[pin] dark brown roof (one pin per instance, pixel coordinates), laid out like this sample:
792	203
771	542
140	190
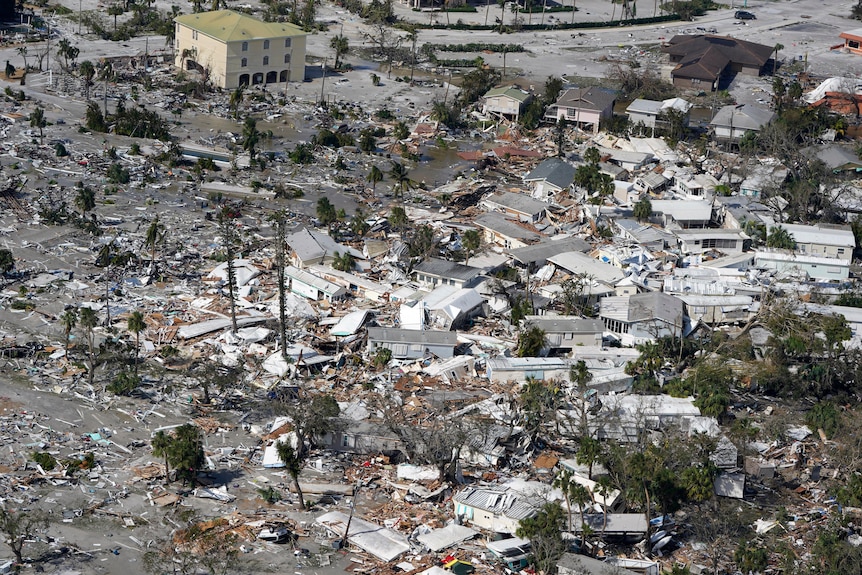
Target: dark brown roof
705	56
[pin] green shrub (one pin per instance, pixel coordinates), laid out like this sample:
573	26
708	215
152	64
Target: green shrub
269	494
825	416
44	459
124	384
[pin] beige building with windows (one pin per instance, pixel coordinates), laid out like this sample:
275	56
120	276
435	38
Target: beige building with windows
236	49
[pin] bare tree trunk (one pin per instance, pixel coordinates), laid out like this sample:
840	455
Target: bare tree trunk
299	492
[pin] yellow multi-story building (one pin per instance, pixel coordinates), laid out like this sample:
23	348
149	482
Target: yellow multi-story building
235	49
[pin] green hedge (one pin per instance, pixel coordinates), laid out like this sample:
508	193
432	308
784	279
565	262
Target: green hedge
476	47
560	26
458	63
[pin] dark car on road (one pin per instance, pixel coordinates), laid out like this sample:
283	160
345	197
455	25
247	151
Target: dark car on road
743	15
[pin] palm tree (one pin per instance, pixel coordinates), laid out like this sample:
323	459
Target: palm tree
562	482
293	464
343	262
341	46
375	175
279	220
531	342
162	444
580	495
88	321
775	59
236	101
88	72
67	51
401	179
604	487
780	238
470	242
106	72
115	10
229	241
502	4
105	259
85	200
250	137
37	120
69	319
398	218
155	236
136	325
413	35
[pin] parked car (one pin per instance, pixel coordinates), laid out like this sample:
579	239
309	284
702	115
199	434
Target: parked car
743	15
274	534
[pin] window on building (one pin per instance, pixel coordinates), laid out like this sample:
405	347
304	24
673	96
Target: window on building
840	251
194	34
266	44
345	441
719	243
243	63
853	44
287	58
245	46
287	42
266	60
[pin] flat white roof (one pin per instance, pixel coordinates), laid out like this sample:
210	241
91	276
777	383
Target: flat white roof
821	235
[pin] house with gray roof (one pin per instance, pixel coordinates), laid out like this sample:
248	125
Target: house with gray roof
731	123
765	178
580	263
574	564
583	107
434	271
313	287
312	247
563	333
683	213
642	317
505	232
507	101
551	177
699	241
653	113
521	206
822	240
537	255
500	508
838	158
412	343
650	237
362	437
651	182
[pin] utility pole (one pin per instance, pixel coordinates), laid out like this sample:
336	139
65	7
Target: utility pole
352	508
79	16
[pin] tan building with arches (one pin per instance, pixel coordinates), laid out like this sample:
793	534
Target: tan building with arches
235	49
